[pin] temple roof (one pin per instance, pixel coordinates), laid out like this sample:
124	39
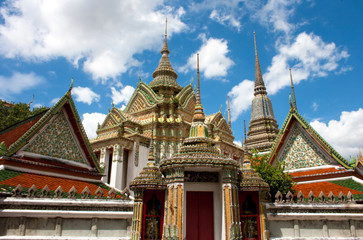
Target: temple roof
164	75
198	149
53	140
294	117
10	180
334	186
150	176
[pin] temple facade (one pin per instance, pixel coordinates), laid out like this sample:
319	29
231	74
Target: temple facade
198	193
122	142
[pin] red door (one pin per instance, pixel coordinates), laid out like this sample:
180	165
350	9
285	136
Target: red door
200	220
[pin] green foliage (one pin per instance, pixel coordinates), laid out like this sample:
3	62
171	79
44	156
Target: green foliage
10	115
2	148
273	175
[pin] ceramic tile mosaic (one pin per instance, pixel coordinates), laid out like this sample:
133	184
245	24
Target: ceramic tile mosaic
300	152
56	140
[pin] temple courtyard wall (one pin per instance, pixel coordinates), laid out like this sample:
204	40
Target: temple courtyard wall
36	218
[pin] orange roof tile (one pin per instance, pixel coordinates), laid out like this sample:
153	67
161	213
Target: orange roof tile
316	171
9	137
27	180
324	187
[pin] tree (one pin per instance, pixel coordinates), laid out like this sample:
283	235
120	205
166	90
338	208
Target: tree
16	112
273	175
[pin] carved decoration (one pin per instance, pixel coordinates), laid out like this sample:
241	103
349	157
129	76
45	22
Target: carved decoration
201	177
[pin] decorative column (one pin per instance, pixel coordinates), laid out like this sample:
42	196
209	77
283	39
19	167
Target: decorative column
117	165
231	220
174	207
137	215
102	157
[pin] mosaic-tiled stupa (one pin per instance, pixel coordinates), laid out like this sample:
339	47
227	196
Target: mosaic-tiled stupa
263	127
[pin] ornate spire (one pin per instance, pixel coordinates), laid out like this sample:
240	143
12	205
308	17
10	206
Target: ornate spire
293	91
259	84
229	113
164	75
151	152
165	48
263	127
198	111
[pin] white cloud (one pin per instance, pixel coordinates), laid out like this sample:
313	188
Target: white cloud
90	122
345	135
228	13
315	106
18	83
225	18
276	13
308	56
101	36
85	95
123	95
241	97
54	101
213	60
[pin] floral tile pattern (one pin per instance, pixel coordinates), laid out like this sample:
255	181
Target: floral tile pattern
301	152
57	140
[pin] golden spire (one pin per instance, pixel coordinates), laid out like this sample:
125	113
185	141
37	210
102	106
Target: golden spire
229	113
198	85
165	48
198	111
293	91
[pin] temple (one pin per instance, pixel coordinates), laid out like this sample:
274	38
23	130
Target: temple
163	105
163	169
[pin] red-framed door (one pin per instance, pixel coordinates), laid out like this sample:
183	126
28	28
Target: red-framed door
250	215
153	214
200	217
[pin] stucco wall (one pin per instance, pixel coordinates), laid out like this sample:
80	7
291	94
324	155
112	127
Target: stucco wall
313	220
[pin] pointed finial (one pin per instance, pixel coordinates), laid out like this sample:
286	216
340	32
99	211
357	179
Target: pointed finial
113	104
244	126
198	85
70	88
166	27
293	91
259	84
31	101
165	48
254	37
140	79
220	109
229	113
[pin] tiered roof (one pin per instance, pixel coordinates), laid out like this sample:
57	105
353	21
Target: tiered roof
150	177
164	75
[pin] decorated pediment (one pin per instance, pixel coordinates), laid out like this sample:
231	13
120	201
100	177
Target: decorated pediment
298	145
220	123
142	98
301	151
109	121
187	98
56	140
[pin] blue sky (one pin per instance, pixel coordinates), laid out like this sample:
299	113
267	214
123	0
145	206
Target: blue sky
106	45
